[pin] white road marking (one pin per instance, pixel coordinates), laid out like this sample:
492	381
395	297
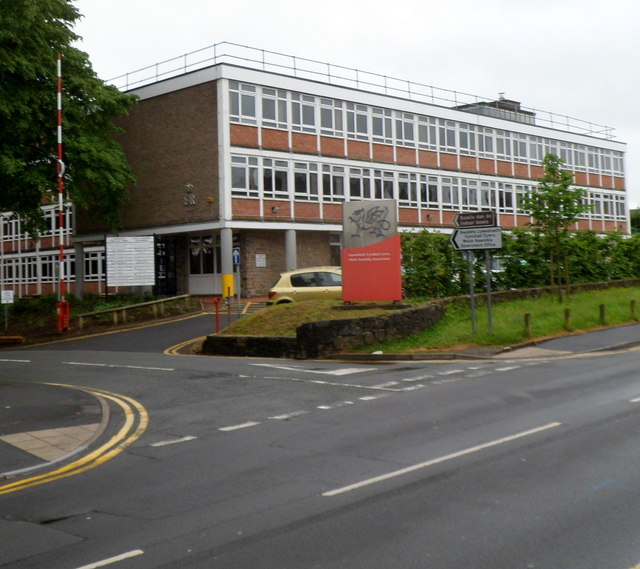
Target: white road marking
413	387
289	415
509	368
240	426
372	397
115	559
17	361
636	400
174	441
439	460
342	371
419	378
388	384
450	372
119	366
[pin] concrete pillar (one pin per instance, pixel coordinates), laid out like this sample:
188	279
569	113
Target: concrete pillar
290	248
226	251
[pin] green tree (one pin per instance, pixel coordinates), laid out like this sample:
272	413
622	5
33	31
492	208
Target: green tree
431	266
32	34
554	205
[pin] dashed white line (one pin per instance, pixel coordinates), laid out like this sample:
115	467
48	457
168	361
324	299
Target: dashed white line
508	368
439	460
287	416
174	441
337	372
115	559
636	400
119	366
450	372
240	426
17	361
383	385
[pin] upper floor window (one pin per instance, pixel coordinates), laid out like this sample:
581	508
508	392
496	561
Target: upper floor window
303	112
503	145
275	179
427	136
467	136
381	126
242	102
519	147
305	178
274	108
485	142
357	121
333	183
429	191
360	183
331	117
407	190
244	176
383	185
405	129
447	136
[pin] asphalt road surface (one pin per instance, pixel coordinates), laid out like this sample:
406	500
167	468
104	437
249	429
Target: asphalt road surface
517	462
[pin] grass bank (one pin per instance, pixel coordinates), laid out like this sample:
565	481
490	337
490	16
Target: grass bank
547	319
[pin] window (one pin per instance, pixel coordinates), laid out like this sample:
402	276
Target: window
519	147
305	178
274	177
566	153
242	101
487	195
469	194
593	160
429	191
618	168
427	137
383	185
357	121
359	183
447	136
331	117
551	146
48	268
467	134
580	158
407	190
503	145
536	150
303	113
485	142
381	126
93	265
505	198
521	191
244	177
204	255
605	162
449	190
405	129
333	183
274	108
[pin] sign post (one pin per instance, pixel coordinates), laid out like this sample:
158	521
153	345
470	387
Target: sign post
7	299
477	231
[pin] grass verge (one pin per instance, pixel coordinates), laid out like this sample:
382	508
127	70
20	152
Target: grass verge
547	320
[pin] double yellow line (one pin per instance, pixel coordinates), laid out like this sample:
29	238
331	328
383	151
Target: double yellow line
135	423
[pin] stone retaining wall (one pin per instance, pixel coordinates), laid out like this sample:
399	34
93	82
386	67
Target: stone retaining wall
323	339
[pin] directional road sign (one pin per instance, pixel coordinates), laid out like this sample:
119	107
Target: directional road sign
235	254
471	238
476	219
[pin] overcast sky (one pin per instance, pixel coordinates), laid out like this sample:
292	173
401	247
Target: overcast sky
572	57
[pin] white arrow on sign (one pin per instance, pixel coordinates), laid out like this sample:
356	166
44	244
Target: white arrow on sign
471	238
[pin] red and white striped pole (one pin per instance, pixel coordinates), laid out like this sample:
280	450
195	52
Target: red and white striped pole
63	305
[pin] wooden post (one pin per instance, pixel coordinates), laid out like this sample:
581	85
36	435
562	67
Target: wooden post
634	314
603	315
80	322
527	325
567	318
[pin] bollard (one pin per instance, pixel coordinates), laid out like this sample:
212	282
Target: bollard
567	318
527	325
216	304
634	314
603	315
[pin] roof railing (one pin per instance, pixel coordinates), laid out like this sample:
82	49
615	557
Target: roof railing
274	62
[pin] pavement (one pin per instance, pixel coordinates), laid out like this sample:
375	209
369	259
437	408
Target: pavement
43	426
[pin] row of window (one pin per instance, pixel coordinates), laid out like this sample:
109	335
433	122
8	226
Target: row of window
33	269
254	177
280	109
11	227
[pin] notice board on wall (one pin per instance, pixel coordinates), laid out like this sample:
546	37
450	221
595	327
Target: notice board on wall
130	261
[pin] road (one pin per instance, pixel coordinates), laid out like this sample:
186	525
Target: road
517	462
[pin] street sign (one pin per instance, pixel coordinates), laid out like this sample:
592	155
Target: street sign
235	254
475	219
471	238
7	297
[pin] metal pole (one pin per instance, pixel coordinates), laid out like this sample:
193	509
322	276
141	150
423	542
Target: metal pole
487	262
472	298
63	305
